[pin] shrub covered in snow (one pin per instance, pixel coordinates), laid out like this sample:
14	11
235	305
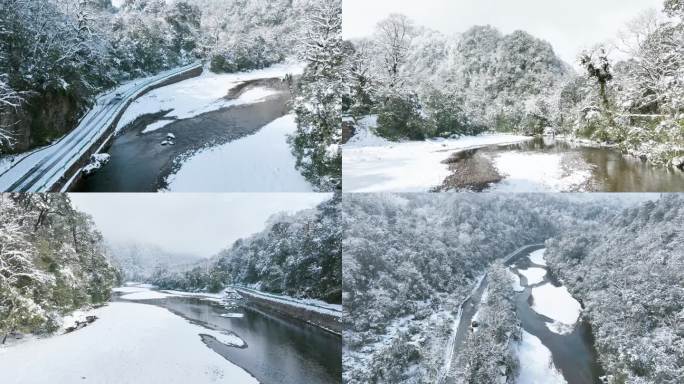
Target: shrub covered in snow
297	255
52	261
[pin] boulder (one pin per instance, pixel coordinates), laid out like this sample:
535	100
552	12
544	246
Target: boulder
678	162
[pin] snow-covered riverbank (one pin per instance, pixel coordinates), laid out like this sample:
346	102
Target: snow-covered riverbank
554	347
373	164
202	94
129	343
262	162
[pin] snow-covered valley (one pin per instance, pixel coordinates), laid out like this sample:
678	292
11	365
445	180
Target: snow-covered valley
154	336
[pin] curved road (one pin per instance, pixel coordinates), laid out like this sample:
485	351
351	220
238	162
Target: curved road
39	171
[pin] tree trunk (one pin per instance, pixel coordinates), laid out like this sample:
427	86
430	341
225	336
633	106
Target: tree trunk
4	338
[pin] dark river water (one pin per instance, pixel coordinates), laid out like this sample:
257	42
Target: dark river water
139	163
574	353
611	171
279	350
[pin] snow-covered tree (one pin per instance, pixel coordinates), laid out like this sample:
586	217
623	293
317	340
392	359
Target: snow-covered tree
21	281
317	97
394	36
51	262
298	255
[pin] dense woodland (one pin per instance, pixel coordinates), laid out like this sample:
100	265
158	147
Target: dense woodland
410	260
421	83
299	255
57	55
52	261
627	272
137	261
488	353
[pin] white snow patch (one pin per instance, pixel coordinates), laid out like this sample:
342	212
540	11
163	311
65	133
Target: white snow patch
364	136
536	172
533	275
146	295
536	365
516	282
130	289
203	94
97	160
225	338
233	315
214	297
130	343
308	304
262	162
411	166
556	303
157	125
537	257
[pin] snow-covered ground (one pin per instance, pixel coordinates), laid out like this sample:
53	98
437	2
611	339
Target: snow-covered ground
146	295
233	315
130	343
556	303
515	281
262	162
373	164
537	257
202	94
537	172
215	297
536	365
533	275
130	289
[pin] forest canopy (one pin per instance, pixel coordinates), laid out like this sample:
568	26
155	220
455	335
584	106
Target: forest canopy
421	83
410	260
299	255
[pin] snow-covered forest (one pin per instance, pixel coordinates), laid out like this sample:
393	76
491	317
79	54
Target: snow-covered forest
421	83
627	271
298	255
57	55
138	261
411	260
52	262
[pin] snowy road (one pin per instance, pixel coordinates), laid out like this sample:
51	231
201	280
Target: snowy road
467	312
42	169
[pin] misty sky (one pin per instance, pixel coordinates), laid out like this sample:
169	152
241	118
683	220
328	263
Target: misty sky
199	224
569	26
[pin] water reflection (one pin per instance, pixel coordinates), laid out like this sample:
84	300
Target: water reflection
611	171
280	350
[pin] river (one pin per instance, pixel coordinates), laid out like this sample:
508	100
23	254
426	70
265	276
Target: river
582	169
139	163
573	353
278	349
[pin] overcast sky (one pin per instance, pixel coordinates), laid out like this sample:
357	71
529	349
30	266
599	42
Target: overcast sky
200	224
569	26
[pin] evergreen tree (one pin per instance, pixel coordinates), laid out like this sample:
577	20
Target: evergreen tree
317	98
